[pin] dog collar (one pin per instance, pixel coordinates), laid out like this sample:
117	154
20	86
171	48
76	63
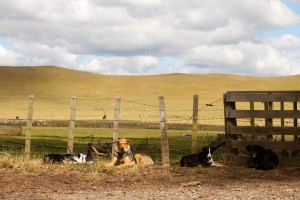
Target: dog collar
123	155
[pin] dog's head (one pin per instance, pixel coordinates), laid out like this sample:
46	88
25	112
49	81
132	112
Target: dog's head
82	158
208	152
254	150
89	158
122	145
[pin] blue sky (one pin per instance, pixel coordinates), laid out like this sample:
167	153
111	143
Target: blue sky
5	43
292	29
133	37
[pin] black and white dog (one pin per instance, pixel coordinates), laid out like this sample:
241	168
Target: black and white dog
204	158
261	158
74	158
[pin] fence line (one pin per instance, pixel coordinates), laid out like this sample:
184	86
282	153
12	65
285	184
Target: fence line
29	126
78	106
163	133
116	120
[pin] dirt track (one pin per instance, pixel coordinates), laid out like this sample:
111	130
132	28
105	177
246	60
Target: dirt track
228	182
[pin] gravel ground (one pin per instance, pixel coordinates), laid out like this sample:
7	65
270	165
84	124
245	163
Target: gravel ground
152	183
245	191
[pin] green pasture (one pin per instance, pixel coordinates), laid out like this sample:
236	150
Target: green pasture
54	140
53	88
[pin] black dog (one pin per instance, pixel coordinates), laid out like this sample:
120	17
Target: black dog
62	158
204	158
261	158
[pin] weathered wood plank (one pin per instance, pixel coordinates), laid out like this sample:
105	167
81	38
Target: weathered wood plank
195	124
70	147
163	133
263	96
261	130
262	114
228	107
29	127
283	161
277	145
289	161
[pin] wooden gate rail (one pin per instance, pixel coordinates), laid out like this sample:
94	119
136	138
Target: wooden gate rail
239	135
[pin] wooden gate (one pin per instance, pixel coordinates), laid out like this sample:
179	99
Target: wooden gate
266	118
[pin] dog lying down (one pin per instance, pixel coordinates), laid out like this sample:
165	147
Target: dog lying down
68	158
122	155
261	158
204	159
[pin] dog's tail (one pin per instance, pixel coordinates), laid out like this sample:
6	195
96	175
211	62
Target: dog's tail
97	152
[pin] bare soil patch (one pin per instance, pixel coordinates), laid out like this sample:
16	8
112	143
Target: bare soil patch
73	182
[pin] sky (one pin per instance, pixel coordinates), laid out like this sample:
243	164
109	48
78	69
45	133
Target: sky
144	37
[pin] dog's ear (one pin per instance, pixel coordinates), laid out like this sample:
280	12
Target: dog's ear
128	142
116	141
249	148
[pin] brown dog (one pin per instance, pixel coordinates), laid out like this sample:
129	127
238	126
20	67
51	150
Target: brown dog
122	155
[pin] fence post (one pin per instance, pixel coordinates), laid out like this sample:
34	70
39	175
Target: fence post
163	133
29	126
282	120
296	138
116	120
195	125
295	108
268	121
72	125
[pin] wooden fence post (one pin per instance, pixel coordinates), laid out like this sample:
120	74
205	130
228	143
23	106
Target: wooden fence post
296	138
295	108
282	120
72	125
116	120
269	121
163	133
195	125
29	126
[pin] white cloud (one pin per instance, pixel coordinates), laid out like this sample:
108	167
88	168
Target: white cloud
120	65
286	41
7	57
61	32
42	54
242	58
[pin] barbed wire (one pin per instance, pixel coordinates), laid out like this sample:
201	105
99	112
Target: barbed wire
210	104
19	108
95	99
51	98
206	105
150	105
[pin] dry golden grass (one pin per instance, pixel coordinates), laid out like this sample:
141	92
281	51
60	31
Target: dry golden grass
54	86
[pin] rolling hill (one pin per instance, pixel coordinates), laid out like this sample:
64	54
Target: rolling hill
49	83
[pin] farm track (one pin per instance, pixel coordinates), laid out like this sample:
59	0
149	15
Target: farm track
228	182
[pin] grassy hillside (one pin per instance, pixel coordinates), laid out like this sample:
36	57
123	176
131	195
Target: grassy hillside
59	82
53	86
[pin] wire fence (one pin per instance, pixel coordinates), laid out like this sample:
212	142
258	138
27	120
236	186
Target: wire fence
94	123
46	109
94	120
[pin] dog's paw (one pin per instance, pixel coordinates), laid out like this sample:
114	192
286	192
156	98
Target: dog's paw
108	165
214	164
